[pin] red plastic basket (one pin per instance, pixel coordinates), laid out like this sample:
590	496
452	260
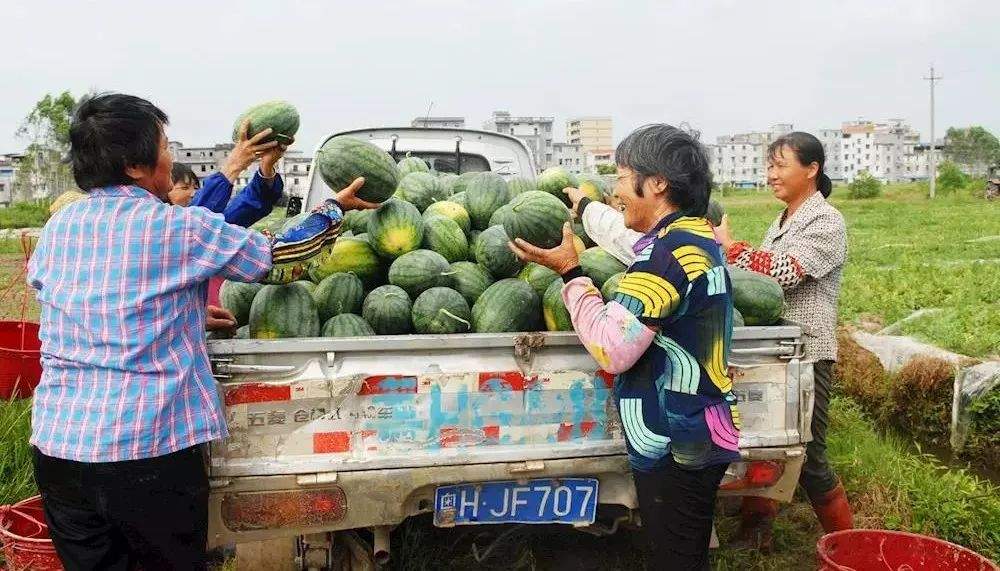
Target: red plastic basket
882	550
25	537
20	364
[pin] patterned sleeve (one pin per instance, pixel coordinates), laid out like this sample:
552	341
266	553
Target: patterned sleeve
819	248
613	336
300	249
654	286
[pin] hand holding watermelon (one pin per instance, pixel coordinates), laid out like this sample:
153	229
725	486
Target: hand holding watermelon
348	199
246	151
575	195
560	259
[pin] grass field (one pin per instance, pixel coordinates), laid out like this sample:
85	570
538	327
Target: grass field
906	253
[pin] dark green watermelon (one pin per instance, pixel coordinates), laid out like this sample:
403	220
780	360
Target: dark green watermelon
410	164
554	309
471	279
581	233
395	228
338	293
343	159
280	116
357	220
441	310
473	237
347	325
387	310
599	265
237	298
502	214
553	180
461	184
420	270
421	189
537	218
494	254
484	195
738	320
538	276
282	311
452	210
757	297
508	305
518	185
445	236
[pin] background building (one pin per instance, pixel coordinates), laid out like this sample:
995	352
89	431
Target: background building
6	180
590	132
569	156
596	157
883	149
439	122
536	132
741	159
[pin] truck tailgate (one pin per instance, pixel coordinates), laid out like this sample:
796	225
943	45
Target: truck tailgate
300	406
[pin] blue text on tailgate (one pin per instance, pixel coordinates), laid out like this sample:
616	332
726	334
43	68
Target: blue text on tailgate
550	500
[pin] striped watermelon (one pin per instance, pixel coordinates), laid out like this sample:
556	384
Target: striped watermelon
554	309
420	270
594	187
444	236
338	293
237	298
387	310
581	233
538	276
441	310
493	253
537	218
553	180
395	228
343	159
599	265
471	279
452	210
347	325
410	164
461	183
518	185
357	220
473	237
486	193
421	189
281	311
508	305
354	256
501	215
280	116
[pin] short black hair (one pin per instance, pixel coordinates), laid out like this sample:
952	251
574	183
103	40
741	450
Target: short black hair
808	150
110	132
183	173
677	156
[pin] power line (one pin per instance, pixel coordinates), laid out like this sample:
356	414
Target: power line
932	157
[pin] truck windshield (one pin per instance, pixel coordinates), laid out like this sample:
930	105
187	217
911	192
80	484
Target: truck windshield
446	162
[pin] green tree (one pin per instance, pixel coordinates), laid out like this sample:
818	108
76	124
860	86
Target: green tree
864	186
42	171
951	178
607	169
973	148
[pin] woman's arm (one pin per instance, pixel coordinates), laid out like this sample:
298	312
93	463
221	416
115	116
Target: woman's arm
606	227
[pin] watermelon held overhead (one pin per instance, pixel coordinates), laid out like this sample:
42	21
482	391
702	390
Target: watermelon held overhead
347	325
538	277
441	310
554	309
396	228
485	194
410	164
387	309
420	189
471	280
493	253
757	297
343	159
283	311
338	293
553	180
420	270
509	305
354	256
537	218
237	298
599	265
280	116
452	210
445	236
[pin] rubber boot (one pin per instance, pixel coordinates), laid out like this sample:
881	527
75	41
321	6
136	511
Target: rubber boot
833	511
756	524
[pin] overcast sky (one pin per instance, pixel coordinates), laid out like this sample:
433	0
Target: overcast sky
722	67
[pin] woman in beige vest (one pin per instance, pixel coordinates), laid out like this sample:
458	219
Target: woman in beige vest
804	251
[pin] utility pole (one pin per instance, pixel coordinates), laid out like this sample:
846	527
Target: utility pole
932	157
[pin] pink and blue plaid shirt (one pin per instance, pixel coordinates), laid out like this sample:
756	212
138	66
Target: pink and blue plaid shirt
121	280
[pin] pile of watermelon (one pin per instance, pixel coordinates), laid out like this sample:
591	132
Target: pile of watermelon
432	259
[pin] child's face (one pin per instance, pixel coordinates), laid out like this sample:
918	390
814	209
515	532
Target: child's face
182	192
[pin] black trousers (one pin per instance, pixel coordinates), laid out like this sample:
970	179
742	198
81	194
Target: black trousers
677	506
150	513
817	477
